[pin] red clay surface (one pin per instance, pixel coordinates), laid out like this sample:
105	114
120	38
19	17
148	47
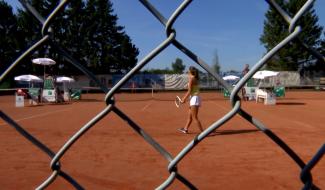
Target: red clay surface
112	156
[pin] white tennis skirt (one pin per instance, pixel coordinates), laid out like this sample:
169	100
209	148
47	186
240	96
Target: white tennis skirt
195	101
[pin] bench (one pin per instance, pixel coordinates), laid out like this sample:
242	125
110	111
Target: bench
260	94
268	97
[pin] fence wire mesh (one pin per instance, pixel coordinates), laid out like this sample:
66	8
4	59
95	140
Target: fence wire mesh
57	170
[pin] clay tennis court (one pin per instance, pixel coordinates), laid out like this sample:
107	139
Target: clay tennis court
112	156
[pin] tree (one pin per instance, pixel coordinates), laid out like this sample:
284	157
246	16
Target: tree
88	30
71	37
216	63
8	30
319	65
29	33
158	71
178	66
293	55
113	51
8	42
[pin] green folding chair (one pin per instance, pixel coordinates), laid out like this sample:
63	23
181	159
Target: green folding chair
34	94
48	84
226	93
279	91
75	94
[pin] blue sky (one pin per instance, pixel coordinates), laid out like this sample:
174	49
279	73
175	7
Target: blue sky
229	28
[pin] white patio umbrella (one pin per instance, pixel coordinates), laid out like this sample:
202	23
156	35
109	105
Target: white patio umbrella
264	74
44	61
230	77
64	79
28	78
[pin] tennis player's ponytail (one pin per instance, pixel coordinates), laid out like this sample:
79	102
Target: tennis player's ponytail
194	72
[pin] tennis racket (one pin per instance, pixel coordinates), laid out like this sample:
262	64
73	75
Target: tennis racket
178	101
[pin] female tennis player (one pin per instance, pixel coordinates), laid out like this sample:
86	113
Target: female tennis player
195	100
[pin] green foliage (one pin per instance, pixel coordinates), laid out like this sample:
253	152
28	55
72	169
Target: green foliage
178	66
5	85
158	71
293	56
8	30
88	30
112	50
216	64
318	65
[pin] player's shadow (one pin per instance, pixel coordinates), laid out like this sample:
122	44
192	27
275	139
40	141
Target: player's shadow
290	103
88	100
233	132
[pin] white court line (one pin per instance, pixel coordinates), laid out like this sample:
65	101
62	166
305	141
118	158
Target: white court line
303	124
35	116
146	106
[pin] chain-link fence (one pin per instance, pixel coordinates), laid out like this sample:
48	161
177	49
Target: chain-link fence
171	39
